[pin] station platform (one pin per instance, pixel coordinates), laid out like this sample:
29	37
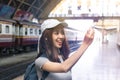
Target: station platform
17	58
21	77
101	61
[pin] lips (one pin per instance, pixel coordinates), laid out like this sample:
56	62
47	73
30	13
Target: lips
59	43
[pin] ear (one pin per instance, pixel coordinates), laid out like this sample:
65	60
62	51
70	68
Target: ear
46	39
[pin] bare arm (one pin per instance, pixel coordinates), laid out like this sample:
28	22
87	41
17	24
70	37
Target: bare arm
68	63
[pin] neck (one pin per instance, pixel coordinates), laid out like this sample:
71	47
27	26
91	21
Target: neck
56	51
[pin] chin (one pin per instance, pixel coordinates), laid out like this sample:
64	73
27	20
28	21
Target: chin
59	46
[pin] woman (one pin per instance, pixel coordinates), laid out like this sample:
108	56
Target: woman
54	51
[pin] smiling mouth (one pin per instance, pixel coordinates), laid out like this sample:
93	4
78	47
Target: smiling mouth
59	43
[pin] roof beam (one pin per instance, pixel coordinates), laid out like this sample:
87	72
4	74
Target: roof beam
48	8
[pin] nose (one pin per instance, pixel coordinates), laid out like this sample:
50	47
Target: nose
61	35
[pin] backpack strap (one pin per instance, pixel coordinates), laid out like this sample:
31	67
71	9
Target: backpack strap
44	75
30	73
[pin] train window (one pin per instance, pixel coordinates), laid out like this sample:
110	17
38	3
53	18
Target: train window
39	31
35	31
21	31
25	31
16	30
7	29
31	31
0	28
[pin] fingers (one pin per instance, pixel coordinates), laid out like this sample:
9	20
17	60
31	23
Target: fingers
91	32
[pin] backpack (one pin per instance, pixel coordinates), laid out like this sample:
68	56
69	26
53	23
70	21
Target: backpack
31	73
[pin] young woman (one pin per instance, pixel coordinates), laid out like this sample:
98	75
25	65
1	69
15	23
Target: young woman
54	51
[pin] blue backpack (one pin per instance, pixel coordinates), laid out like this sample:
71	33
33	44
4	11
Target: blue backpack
31	73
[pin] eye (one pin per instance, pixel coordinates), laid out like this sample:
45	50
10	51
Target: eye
56	33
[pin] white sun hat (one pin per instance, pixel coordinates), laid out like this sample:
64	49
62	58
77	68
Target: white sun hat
50	23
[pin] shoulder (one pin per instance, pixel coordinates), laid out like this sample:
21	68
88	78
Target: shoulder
41	60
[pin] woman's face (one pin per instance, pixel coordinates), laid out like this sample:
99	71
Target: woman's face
58	36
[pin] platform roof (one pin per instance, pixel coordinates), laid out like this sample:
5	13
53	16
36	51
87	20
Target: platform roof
39	8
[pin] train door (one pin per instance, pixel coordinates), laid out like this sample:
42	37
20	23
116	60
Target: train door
12	30
17	30
16	34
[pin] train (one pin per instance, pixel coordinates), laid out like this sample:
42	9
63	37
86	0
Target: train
22	36
72	36
17	36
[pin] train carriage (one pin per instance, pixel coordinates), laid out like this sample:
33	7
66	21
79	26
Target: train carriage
73	39
29	33
16	36
7	38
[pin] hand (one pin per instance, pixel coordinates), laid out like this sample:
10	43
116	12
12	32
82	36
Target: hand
89	36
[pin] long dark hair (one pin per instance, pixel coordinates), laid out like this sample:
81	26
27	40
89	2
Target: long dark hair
46	44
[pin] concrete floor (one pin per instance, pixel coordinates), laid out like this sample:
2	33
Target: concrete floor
101	61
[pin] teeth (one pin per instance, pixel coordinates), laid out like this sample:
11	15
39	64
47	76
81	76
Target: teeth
59	41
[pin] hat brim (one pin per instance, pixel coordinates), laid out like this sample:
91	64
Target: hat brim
65	25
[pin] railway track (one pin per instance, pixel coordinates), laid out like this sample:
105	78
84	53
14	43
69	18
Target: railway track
8	72
11	71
